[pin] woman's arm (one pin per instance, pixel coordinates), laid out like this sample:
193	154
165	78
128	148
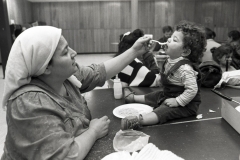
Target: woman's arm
97	129
115	65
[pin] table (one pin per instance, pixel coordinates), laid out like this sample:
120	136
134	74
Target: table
190	138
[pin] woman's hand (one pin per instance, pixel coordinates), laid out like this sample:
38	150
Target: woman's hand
142	45
171	102
100	126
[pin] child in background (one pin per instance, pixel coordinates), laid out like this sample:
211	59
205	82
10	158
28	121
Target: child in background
222	55
236	57
179	77
139	73
234	38
167	32
210	35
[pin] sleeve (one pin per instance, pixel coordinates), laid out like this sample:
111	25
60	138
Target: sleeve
37	129
189	80
150	63
91	76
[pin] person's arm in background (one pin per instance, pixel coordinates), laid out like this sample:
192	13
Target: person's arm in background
115	65
149	61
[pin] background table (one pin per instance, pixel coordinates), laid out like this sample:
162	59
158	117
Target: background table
208	138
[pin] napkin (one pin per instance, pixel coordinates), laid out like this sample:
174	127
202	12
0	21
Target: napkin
130	140
231	79
149	152
118	156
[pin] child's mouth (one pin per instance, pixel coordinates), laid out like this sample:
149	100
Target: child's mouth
165	47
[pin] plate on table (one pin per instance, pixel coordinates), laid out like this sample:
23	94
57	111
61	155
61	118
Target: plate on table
132	109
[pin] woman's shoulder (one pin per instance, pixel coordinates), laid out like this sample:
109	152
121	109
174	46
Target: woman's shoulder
27	90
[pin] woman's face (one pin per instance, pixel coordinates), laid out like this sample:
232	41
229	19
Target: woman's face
63	62
175	45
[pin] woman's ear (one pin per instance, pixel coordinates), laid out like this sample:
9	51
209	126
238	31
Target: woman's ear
47	71
186	52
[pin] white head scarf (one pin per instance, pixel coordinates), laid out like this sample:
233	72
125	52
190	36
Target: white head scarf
29	57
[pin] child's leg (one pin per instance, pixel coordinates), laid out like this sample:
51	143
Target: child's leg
139	98
149	119
136	122
165	113
130	97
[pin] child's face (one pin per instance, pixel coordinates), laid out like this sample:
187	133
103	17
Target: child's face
229	39
223	60
168	34
175	45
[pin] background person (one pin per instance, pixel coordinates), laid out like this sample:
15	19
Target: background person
167	32
211	43
234	38
223	54
141	73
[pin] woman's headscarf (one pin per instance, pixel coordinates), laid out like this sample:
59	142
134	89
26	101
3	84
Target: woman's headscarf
29	57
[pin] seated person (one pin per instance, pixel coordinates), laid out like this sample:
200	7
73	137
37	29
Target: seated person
180	79
47	116
136	74
236	57
234	38
223	56
167	32
210	35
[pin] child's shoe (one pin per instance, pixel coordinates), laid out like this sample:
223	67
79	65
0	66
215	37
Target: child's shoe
128	95
130	122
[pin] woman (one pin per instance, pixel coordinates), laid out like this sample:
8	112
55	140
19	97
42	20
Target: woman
46	115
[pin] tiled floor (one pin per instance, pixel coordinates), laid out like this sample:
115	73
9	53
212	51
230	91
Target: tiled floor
82	59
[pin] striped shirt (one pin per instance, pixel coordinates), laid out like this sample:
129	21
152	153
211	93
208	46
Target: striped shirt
136	74
185	76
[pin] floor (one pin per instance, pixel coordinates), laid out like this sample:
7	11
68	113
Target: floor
82	59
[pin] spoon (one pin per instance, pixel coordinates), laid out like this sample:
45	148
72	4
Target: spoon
159	42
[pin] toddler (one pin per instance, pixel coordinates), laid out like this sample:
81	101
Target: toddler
222	55
179	77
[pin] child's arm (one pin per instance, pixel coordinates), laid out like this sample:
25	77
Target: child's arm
189	80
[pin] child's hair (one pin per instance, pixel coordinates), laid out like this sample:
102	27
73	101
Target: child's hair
128	39
167	29
210	34
235	35
194	39
218	53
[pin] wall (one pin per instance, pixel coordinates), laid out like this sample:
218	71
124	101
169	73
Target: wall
94	26
19	11
88	26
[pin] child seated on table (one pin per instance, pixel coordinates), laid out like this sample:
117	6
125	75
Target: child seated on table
180	78
222	56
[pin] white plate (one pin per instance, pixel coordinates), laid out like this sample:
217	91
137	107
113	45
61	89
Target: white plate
132	109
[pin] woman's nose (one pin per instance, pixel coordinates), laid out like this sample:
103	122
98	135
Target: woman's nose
73	53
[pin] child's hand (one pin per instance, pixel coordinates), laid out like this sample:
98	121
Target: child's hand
171	102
